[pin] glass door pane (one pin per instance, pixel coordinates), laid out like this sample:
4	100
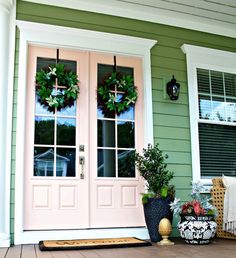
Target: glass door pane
55	132
116	133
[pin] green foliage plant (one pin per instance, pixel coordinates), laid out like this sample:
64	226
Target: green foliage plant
153	168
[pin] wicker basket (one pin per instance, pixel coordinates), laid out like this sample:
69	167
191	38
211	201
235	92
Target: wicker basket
217	193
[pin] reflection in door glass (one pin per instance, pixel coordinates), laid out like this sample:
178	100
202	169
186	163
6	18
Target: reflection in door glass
43	161
125	134
65	162
106	163
66	131
126	163
106	133
40	109
68	111
44	130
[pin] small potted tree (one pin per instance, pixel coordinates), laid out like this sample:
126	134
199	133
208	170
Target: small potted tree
152	167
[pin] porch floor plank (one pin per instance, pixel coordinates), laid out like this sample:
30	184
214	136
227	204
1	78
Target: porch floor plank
82	254
3	252
28	251
14	251
40	254
219	248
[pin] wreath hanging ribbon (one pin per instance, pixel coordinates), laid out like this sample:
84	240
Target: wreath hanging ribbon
107	98
61	97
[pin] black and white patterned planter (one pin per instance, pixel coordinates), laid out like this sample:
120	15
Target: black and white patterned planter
197	230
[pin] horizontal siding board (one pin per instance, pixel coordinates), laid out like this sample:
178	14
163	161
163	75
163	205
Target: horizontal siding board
13	137
173	144
169	63
13	165
178	157
171	120
16	70
169	52
12	210
170	108
15	96
183	194
12	181
14	110
12	199
171	133
185	182
181	170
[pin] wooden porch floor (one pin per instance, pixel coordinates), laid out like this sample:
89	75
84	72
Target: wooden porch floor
219	248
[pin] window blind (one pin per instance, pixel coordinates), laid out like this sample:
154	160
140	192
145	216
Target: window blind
217	150
217	142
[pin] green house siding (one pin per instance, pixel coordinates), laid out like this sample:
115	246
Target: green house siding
171	118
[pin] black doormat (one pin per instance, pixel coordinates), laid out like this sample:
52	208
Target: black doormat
52	245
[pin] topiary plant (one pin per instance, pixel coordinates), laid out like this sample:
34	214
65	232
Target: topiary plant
153	169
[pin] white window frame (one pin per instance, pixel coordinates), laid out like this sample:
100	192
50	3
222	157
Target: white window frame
210	59
71	38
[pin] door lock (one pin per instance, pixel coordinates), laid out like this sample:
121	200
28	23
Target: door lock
81	147
81	162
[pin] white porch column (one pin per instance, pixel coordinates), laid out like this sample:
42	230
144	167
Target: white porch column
5	28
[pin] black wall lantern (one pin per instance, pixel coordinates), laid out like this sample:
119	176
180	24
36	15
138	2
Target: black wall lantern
173	89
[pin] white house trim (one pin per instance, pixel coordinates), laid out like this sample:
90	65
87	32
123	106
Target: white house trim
55	36
7	45
133	10
206	58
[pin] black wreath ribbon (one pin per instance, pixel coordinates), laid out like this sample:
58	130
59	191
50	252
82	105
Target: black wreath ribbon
107	99
47	94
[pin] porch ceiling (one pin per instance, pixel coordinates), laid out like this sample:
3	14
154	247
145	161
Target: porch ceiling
213	16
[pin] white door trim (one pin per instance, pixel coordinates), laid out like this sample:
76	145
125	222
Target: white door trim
55	36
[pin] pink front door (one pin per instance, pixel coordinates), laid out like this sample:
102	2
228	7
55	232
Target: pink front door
75	171
115	184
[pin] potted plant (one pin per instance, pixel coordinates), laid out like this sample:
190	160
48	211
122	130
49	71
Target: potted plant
153	168
196	225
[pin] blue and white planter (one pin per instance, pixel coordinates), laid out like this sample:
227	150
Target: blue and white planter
197	230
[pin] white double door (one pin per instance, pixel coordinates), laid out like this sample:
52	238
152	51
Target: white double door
61	146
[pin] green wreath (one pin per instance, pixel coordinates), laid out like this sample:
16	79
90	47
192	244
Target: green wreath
63	97
107	99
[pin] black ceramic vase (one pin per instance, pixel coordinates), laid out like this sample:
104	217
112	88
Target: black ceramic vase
155	210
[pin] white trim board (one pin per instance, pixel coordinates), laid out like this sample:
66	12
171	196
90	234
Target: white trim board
206	58
7	45
48	35
146	13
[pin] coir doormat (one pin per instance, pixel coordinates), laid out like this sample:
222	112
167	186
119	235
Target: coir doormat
52	245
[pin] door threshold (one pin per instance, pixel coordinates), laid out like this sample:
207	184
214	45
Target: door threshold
33	237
